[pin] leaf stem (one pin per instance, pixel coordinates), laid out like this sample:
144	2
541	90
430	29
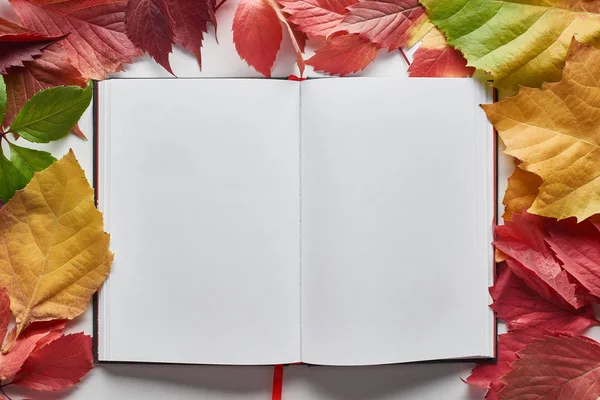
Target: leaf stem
404	56
219	5
3	392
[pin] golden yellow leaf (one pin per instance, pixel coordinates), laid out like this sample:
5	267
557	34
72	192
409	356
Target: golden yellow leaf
521	192
555	131
53	249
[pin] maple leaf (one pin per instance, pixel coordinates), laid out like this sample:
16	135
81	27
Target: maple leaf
519	42
557	367
487	375
521	307
521	192
58	249
553	130
49	70
18	44
58	365
523	240
97	42
343	55
386	23
150	27
436	58
257	34
191	19
316	18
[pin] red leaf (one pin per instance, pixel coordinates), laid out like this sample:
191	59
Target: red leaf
58	365
150	27
191	19
343	55
487	375
557	367
18	44
523	240
50	69
257	34
521	307
386	23
436	58
78	132
316	18
97	41
5	313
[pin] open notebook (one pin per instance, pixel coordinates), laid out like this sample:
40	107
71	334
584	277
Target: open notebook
331	221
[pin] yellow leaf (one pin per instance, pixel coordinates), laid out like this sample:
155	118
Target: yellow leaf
521	192
53	249
555	131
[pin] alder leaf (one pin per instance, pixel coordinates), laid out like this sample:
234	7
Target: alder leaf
387	23
519	42
316	18
343	55
554	131
18	44
521	307
523	240
257	34
558	367
53	249
523	188
436	58
49	70
51	114
191	19
150	27
58	365
97	42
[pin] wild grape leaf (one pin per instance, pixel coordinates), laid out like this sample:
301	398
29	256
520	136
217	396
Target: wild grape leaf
436	58
18	44
11	179
316	18
97	42
5	314
27	161
487	375
523	188
387	23
553	130
519	42
53	249
521	307
343	55
49	70
150	27
58	365
558	367
191	19
523	240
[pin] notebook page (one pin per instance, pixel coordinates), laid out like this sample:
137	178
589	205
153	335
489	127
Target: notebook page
397	210
199	183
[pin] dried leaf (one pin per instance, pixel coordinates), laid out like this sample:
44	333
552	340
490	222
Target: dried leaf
343	55
53	249
436	58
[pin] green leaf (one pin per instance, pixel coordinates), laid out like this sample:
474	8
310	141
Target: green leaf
2	99
11	179
28	161
50	114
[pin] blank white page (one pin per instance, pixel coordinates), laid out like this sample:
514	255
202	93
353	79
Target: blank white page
397	211
199	183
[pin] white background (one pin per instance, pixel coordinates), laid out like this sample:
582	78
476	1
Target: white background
149	382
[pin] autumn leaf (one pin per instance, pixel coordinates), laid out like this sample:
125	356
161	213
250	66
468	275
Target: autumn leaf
97	42
557	367
387	23
523	188
53	249
343	55
49	70
436	58
58	365
316	18
554	131
521	307
519	42
150	27
191	19
18	44
5	314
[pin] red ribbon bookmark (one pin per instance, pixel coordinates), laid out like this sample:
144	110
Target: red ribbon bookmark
277	381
